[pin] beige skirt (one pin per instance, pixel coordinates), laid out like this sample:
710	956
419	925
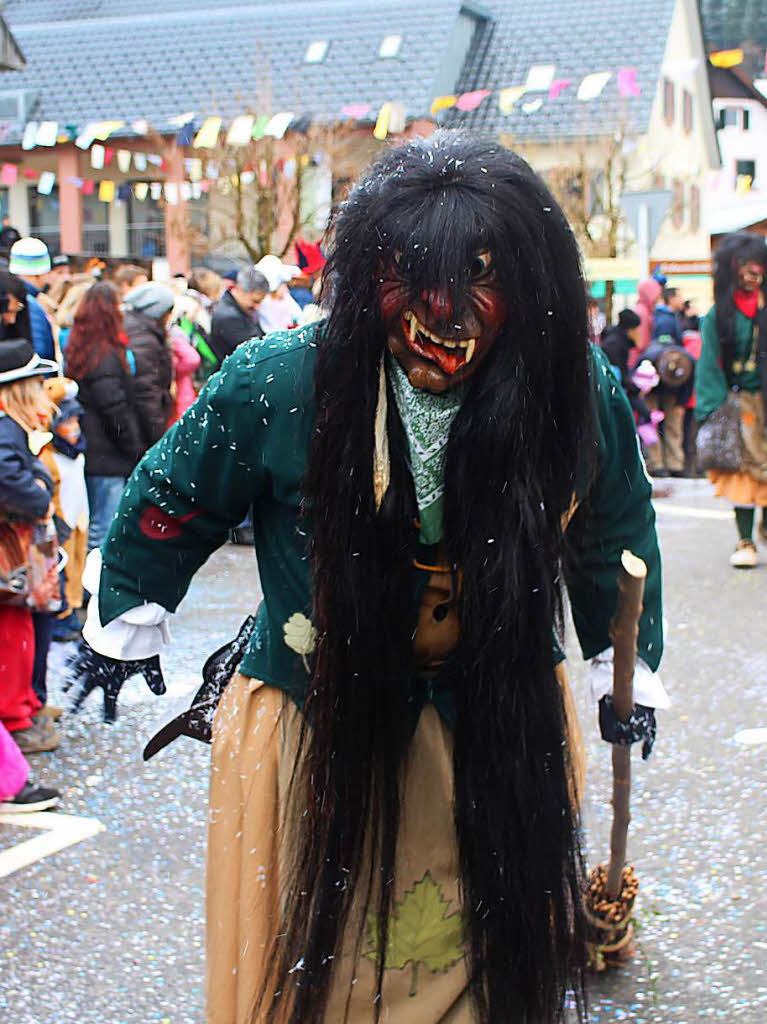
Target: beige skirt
425	982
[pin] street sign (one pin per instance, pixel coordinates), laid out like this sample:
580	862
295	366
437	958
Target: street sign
657	202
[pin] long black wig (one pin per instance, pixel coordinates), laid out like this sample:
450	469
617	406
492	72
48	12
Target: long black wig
523	430
732	251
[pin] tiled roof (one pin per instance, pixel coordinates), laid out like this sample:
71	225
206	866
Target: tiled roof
578	37
89	60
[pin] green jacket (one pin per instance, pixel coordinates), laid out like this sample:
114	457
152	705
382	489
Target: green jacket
711	386
245	443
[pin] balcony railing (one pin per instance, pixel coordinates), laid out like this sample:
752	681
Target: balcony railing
146	241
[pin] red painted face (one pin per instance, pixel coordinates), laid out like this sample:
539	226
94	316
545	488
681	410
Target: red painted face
438	347
750	276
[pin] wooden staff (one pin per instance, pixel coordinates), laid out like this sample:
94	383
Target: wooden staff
624	631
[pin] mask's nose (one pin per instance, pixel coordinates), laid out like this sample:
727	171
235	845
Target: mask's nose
439	303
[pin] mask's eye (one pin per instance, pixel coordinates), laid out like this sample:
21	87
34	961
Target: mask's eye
481	265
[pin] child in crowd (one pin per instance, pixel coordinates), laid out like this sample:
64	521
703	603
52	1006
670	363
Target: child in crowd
26	493
67	449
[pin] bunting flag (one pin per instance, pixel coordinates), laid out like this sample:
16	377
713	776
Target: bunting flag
558	86
154	159
278	124
592	85
442	103
726	58
139	161
29	141
181	120
397	119
186	134
196	189
171	193
103	129
89	187
532	106
627	82
46	183
381	129
540	77
155	190
141	190
9	174
108	155
195	169
207	136
185	191
86	137
106	191
140	127
97	157
471	100
240	130
123	160
77	182
259	127
123	192
356	110
47	133
30	173
509	96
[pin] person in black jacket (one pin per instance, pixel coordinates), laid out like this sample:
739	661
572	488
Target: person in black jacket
147	312
233	319
96	359
617	343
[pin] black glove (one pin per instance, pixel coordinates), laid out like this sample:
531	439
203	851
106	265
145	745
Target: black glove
88	670
640	726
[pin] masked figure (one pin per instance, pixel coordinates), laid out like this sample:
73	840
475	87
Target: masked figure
732	373
393	834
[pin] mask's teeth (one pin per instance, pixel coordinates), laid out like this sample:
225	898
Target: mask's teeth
413	327
470	349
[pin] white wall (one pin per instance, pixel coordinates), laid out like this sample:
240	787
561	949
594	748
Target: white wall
736	144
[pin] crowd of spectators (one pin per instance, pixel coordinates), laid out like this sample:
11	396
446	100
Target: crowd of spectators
96	363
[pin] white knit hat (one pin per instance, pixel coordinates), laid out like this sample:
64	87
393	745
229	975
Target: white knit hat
276	272
29	257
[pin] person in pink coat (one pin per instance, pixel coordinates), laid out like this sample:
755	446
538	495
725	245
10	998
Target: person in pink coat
649	293
186	360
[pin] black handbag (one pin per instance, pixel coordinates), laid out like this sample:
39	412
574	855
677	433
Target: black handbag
718	442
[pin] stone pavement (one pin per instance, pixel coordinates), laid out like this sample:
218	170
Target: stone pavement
110	930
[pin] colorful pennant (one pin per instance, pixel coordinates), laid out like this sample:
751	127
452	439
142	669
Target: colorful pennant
240	130
442	103
47	133
46	183
106	191
627	82
29	141
509	96
278	124
726	58
9	174
471	100
540	77
558	86
356	110
592	85
207	136
97	157
123	160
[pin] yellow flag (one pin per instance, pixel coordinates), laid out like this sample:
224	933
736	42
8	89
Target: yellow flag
381	129
443	103
207	136
726	58
106	191
509	96
103	129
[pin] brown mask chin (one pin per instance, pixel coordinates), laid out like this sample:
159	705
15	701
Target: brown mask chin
437	349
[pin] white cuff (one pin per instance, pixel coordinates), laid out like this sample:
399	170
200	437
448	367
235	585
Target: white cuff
139	633
648	688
